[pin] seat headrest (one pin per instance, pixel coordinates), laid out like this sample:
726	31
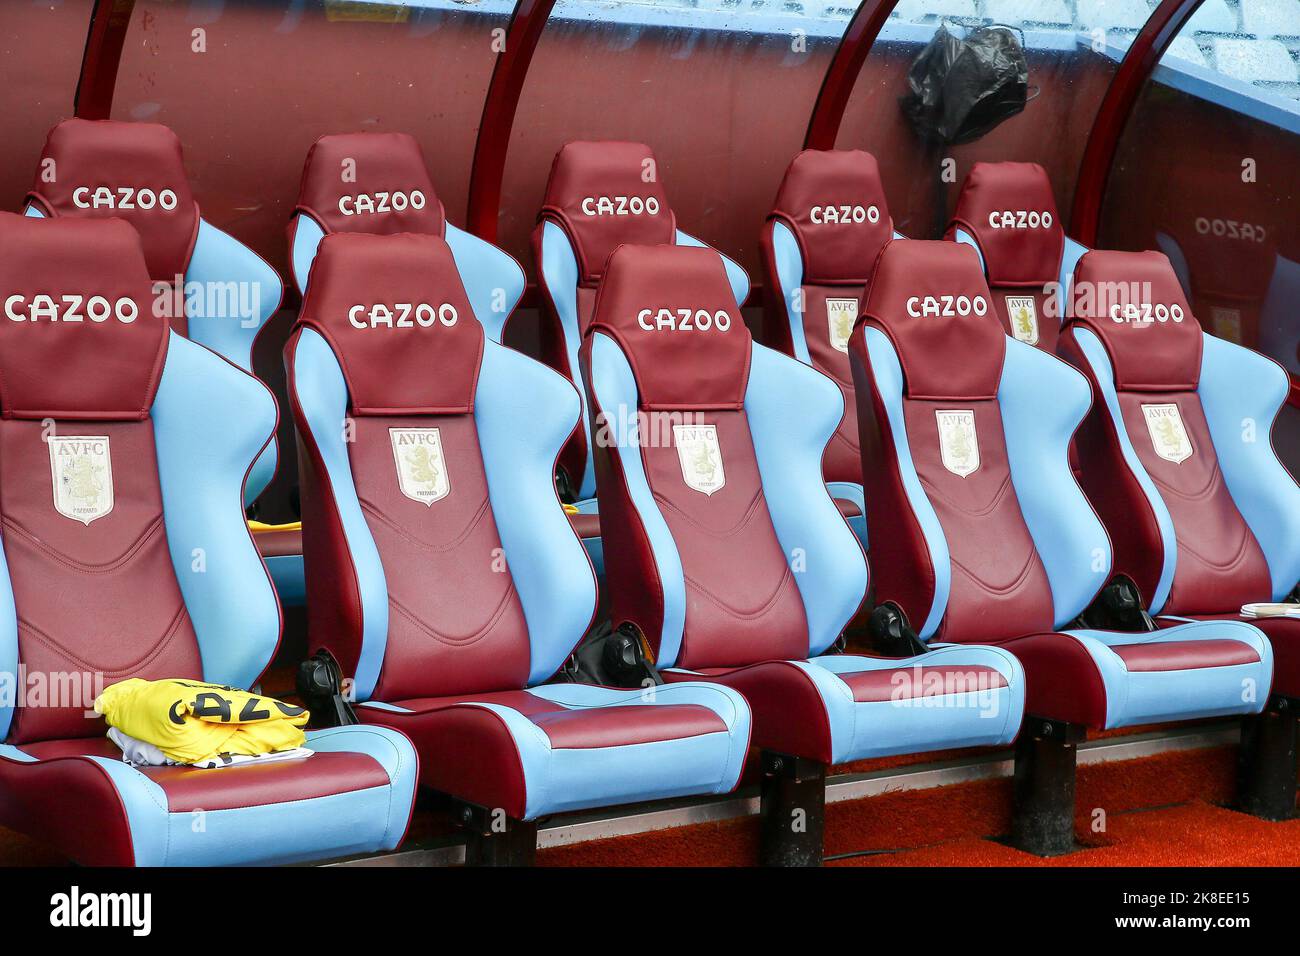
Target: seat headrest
370	182
395	313
79	339
1008	208
834	202
672	312
598	194
1135	304
105	169
931	299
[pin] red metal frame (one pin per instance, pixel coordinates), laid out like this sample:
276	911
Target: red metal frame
109	20
1116	108
842	73
499	106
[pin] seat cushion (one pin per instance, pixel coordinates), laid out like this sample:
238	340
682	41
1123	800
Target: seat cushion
353	795
841	707
572	746
1108	679
1283	635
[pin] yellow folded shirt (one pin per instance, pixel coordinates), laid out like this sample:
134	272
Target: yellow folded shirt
190	721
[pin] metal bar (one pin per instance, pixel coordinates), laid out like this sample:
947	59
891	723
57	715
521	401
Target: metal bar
842	72
1115	110
109	21
499	106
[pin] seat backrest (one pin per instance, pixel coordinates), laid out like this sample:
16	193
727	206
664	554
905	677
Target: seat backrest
722	544
378	183
600	195
439	560
979	531
1177	454
819	248
1008	213
212	288
123	454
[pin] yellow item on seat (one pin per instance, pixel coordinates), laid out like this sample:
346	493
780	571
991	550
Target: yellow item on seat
190	721
570	509
259	527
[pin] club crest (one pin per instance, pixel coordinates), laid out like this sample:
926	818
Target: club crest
421	468
1168	436
958	443
1024	318
700	457
1226	323
841	314
82	472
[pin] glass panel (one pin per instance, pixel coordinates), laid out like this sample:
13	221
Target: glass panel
250	84
42	43
720	89
1071	49
1206	172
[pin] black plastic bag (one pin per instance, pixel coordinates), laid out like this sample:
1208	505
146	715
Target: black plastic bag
958	89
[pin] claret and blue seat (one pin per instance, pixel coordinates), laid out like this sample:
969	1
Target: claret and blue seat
213	288
1007	211
600	195
1180	464
379	184
981	533
819	247
445	583
728	560
124	451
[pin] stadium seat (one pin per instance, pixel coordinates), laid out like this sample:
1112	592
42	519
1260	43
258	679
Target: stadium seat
1271	18
1018	13
221	292
600	195
980	532
378	183
726	555
1212	16
1112	14
1179	462
1262	62
1007	212
126	555
443	577
827	226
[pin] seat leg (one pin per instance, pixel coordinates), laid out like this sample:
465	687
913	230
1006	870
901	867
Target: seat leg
1266	762
1042	820
792	811
493	839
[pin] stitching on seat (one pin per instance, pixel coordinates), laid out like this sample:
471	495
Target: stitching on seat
742	522
995	589
474	521
164	639
734	611
113	564
934	491
476	636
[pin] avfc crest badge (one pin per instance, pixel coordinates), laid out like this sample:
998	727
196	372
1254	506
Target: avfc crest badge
1168	436
82	472
421	469
1227	323
958	443
1024	318
840	316
700	457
